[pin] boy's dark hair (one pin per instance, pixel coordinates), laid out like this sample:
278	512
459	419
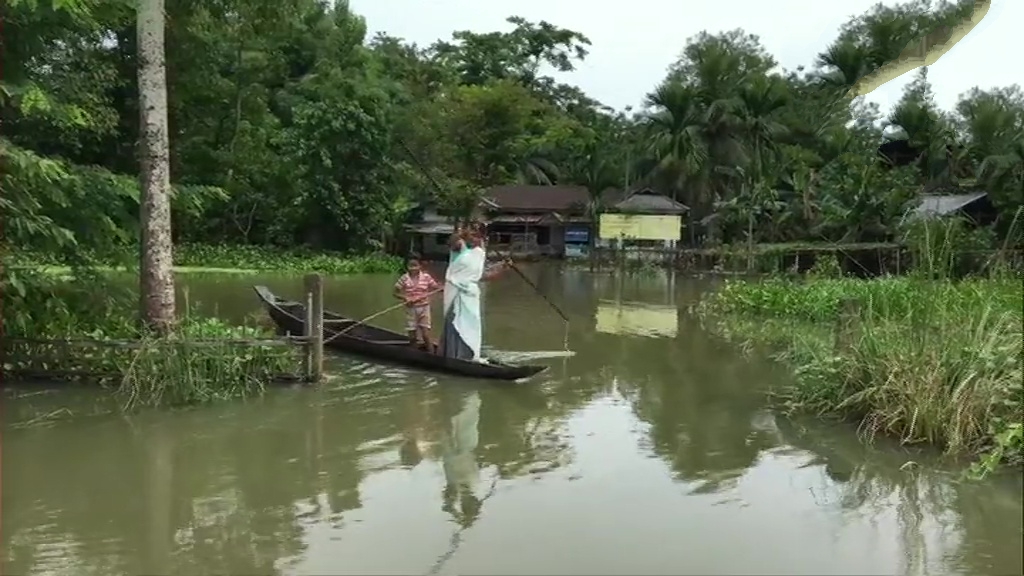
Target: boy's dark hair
413	257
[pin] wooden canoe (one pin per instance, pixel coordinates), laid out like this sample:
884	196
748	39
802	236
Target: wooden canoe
373	342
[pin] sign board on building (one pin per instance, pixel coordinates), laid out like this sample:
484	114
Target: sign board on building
577	235
640	227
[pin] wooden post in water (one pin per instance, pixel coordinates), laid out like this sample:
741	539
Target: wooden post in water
314	327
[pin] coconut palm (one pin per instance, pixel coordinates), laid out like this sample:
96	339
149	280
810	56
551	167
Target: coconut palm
993	126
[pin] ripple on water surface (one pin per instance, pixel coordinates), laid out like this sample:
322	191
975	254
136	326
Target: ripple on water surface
649	451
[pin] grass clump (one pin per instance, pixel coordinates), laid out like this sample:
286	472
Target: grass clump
920	360
203	361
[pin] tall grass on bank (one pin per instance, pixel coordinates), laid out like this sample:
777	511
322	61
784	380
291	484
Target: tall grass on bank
225	258
85	329
924	361
178	372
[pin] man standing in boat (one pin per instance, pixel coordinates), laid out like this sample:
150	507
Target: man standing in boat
467	268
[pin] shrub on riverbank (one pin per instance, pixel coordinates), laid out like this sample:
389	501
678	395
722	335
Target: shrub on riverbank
225	258
925	361
85	329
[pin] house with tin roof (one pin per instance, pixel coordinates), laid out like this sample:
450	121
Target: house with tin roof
642	201
526	220
975	206
538	220
640	218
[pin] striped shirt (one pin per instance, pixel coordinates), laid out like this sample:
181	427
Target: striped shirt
416	288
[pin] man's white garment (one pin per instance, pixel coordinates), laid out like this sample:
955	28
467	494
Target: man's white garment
462	294
460	466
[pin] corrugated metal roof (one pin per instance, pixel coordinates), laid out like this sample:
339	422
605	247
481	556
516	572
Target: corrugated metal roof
431	228
649	203
538	198
945	204
515	219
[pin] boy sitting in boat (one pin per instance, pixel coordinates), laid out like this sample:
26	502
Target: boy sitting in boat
415	288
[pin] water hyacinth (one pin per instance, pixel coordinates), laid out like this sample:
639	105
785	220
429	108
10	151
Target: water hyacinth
226	259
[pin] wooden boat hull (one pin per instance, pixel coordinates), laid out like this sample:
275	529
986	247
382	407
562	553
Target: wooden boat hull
373	342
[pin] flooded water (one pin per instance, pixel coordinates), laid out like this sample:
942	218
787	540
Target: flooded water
650	451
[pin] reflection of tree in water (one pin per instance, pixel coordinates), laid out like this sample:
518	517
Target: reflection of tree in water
700	400
291	470
240	515
992	522
273	470
178	492
84	502
525	434
986	515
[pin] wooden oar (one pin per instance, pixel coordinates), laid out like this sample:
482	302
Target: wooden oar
376	314
512	265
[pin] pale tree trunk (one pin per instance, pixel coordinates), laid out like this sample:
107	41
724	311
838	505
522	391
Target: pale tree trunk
156	279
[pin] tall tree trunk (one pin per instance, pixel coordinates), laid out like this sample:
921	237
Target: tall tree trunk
156	279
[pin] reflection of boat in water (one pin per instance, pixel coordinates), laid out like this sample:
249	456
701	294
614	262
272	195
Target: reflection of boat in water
637	318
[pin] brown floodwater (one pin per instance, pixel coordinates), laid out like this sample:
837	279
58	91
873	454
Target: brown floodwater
650	451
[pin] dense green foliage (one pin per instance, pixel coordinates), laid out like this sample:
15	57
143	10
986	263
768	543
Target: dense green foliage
292	128
920	359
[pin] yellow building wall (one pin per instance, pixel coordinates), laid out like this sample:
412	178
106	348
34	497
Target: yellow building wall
640	227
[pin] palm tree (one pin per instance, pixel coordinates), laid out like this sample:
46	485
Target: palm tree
676	144
926	130
594	168
844	63
993	126
1003	174
762	100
